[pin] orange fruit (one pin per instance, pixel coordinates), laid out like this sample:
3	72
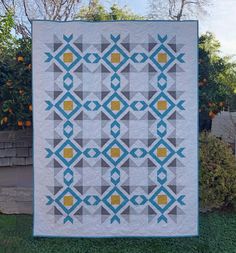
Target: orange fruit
221	103
20	123
10	110
5	119
200	83
9	83
212	115
20	58
21	91
30	108
28	123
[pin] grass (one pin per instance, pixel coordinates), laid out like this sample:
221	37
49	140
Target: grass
217	234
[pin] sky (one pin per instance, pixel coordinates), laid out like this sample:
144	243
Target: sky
221	20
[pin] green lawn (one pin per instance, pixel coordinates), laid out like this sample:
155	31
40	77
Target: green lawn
217	234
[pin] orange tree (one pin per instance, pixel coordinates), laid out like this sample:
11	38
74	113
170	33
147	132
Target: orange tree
217	80
15	78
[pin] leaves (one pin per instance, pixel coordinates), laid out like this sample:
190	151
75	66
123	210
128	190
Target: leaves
95	11
15	86
217	76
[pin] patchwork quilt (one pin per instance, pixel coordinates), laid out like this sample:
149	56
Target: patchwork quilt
115	128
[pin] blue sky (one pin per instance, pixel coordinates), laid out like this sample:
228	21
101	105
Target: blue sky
220	20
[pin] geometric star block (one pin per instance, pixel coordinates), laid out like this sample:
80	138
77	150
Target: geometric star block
115	199
68	105
115	57
67	57
162	57
161	199
161	105
68	200
68	152
115	152
161	152
115	105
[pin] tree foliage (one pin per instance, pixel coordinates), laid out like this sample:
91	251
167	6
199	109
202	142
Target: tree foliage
15	78
95	11
7	40
217	77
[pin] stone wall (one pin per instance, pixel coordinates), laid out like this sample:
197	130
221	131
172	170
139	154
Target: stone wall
16	171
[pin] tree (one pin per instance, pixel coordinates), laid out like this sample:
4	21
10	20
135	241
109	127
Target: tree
217	80
26	10
15	78
176	9
95	11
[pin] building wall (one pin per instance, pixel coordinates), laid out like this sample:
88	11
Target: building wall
224	126
16	171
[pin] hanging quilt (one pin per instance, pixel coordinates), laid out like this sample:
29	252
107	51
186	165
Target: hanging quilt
115	128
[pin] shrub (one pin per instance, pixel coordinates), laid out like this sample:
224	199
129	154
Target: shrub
217	173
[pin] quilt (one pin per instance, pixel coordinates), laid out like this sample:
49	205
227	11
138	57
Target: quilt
115	108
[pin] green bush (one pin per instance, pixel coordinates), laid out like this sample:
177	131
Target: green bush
217	173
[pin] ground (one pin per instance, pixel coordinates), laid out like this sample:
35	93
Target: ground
217	234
